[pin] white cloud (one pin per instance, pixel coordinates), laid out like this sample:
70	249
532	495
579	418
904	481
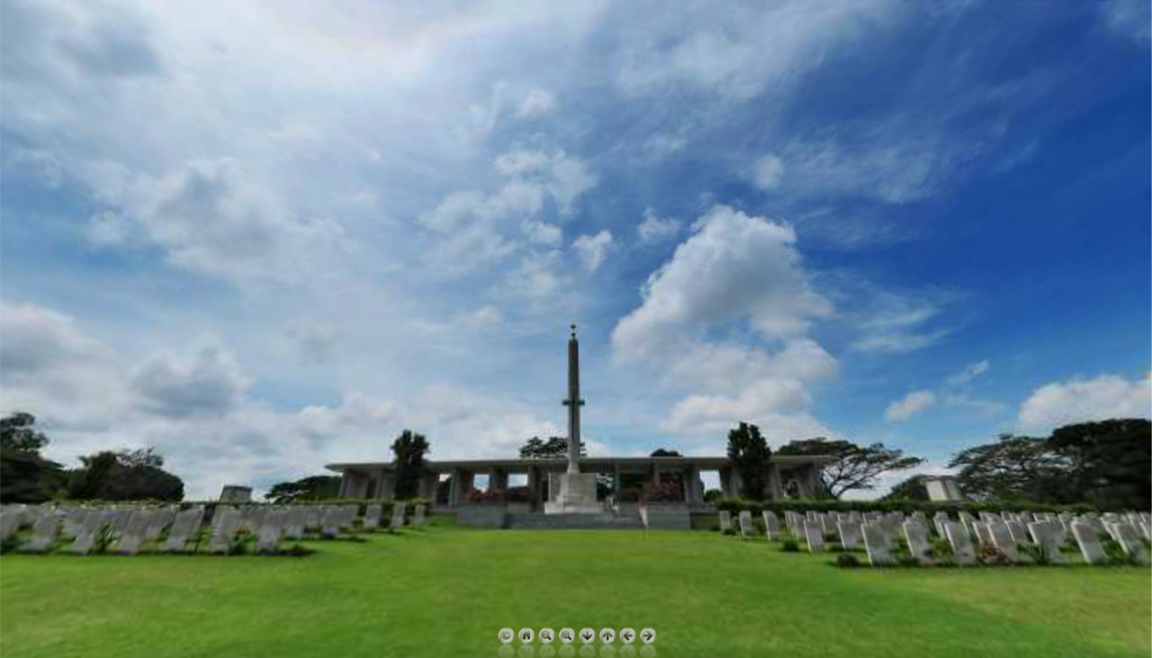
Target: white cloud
203	382
536	102
1082	400
969	373
910	405
1128	18
767	172
592	249
653	229
894	323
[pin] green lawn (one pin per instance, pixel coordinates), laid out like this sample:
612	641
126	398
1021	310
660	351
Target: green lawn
446	591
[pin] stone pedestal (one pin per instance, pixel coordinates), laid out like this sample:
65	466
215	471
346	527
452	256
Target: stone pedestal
572	493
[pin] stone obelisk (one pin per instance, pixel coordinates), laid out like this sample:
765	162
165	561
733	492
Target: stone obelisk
573	492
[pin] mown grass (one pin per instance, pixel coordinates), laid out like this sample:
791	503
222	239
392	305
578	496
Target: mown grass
446	591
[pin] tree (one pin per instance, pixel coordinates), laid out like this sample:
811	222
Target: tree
853	467
26	477
556	447
316	487
751	457
1015	468
1110	461
912	488
409	449
124	475
16	432
661	452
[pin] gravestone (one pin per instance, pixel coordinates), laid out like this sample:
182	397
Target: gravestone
269	533
134	530
983	536
850	535
90	530
746	529
812	516
44	534
1146	528
313	516
9	523
398	509
294	525
1088	539
372	515
1002	540
185	524
961	543
876	543
916	534
330	523
828	525
73	521
116	519
161	519
1043	533
795	524
224	528
725	521
1019	532
420	516
814	534
939	520
1131	542
348	516
771	525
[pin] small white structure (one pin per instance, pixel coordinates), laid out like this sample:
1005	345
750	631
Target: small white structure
943	488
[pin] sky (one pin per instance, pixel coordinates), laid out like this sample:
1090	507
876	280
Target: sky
263	236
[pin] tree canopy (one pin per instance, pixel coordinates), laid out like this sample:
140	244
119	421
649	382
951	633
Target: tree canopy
409	449
124	475
17	433
751	458
555	447
316	487
854	467
25	476
912	488
663	452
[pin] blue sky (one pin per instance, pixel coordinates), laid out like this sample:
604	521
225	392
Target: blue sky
265	238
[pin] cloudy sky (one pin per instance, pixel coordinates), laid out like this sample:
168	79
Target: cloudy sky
264	236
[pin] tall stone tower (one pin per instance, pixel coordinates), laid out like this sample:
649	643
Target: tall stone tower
573	492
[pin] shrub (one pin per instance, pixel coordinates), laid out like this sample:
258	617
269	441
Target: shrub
789	546
9	544
847	561
1035	552
730	531
101	541
942	550
238	545
1116	553
665	492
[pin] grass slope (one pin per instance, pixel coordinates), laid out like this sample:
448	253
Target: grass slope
447	591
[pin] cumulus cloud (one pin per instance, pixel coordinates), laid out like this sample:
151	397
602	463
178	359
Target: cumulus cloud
654	229
205	382
733	272
592	249
910	405
1083	400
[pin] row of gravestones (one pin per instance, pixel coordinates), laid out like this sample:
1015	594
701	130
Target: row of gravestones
996	534
88	528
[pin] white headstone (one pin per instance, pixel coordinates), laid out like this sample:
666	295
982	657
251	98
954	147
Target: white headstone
850	535
226	525
330	523
876	543
961	542
746	529
73	521
133	535
161	519
398	509
420	516
725	521
1002	540
270	532
372	515
916	534
1044	534
185	524
1088	539
93	525
1019	532
294	526
1131	542
771	525
9	523
44	534
814	534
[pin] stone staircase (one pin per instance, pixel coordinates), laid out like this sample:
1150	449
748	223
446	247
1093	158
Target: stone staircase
602	521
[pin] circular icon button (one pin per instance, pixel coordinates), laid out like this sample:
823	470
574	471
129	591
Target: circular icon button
627	635
546	635
527	635
587	635
648	636
607	635
506	635
567	635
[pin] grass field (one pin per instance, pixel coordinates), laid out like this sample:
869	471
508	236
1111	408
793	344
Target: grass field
446	591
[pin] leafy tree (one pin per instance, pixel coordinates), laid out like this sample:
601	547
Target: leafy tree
751	457
1110	461
17	433
555	447
1015	468
124	475
316	487
409	449
912	488
661	452
26	477
854	467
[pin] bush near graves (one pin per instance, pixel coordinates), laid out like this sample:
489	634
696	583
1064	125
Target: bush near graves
124	475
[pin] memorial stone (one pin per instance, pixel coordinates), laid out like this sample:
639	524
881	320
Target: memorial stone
183	526
771	525
134	530
398	509
961	542
44	534
916	534
746	529
90	530
372	515
1131	542
877	545
814	534
850	535
1088	539
1043	533
420	515
725	521
1002	540
224	528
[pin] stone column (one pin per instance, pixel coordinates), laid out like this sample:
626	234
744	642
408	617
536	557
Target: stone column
387	485
534	487
497	480
654	474
775	490
726	482
341	492
692	487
